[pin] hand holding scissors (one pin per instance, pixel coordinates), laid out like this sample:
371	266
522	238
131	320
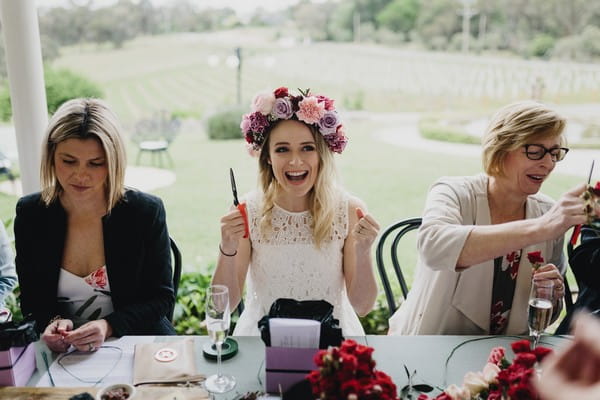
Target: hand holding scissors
240	206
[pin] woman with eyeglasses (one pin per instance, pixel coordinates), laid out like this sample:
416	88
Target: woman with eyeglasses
474	273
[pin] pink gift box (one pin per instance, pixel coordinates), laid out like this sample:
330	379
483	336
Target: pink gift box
17	365
286	366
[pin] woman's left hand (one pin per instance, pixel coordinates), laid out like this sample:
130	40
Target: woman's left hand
550	272
89	336
365	230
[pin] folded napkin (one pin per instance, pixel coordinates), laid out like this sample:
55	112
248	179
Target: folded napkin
165	362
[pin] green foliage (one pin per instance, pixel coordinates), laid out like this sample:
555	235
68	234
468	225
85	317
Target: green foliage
14	305
399	15
376	322
188	317
354	101
444	131
63	85
5	105
541	46
225	124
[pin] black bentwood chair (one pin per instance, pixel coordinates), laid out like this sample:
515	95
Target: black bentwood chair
176	272
395	232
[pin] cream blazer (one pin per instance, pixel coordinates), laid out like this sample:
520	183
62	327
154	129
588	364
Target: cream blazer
445	301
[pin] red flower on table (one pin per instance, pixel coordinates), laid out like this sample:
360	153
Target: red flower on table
97	279
535	258
348	372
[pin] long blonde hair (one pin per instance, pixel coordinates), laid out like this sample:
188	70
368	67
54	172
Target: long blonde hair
322	198
84	119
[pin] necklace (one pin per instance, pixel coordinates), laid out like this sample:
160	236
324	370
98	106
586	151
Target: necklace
66	356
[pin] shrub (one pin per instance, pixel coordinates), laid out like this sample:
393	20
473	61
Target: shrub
225	124
444	131
541	45
63	85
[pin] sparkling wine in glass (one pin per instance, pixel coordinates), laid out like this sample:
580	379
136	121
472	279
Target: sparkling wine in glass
217	323
541	299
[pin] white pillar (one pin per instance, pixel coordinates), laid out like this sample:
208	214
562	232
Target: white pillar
26	80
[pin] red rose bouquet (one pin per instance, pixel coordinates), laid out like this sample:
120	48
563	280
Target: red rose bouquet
500	379
348	373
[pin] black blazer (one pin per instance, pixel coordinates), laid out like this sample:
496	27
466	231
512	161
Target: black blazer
585	263
137	254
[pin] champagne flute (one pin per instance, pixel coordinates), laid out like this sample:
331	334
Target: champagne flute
541	299
217	323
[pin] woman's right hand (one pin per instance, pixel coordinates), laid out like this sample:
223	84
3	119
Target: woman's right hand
232	230
568	211
54	335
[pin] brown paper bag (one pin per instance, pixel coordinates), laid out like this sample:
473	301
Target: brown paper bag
165	362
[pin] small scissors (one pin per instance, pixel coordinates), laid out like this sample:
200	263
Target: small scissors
240	206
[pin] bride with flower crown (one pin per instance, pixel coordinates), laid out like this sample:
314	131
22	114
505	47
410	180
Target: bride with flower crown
308	238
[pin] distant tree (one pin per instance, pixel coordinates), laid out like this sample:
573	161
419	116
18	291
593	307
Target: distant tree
438	21
112	25
314	19
399	15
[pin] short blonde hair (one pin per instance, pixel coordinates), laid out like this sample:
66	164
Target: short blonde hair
322	198
84	119
514	126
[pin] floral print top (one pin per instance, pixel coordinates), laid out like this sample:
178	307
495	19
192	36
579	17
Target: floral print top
84	299
503	290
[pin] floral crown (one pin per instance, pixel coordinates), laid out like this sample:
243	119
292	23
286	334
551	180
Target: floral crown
314	110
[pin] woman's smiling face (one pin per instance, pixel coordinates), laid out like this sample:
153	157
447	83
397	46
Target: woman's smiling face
294	157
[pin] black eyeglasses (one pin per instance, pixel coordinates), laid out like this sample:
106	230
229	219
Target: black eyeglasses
537	152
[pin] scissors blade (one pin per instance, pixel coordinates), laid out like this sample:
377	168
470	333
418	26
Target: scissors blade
591	170
233	187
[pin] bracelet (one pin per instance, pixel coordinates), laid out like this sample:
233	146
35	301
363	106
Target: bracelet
225	254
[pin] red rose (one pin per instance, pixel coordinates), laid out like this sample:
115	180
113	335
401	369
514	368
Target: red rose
541	352
328	102
525	359
281	92
522	391
350	387
349	346
597	187
535	257
444	396
521	346
423	396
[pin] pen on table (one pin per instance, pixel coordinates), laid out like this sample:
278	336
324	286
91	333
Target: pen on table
45	358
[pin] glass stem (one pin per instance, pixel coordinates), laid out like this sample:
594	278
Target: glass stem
219	346
536	339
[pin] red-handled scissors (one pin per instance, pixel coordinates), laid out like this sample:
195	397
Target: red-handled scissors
240	206
577	229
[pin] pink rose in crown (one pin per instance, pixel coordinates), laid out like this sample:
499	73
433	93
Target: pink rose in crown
535	258
263	103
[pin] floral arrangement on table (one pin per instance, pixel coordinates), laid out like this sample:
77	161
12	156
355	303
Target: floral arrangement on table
536	259
500	379
315	110
348	373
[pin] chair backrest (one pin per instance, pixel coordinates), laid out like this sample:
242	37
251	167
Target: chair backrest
176	272
395	231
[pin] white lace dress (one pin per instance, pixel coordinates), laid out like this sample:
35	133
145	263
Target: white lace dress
287	264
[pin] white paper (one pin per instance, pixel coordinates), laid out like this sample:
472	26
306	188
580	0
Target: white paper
294	332
111	363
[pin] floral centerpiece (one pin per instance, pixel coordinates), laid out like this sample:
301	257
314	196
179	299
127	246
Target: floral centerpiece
500	379
348	373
